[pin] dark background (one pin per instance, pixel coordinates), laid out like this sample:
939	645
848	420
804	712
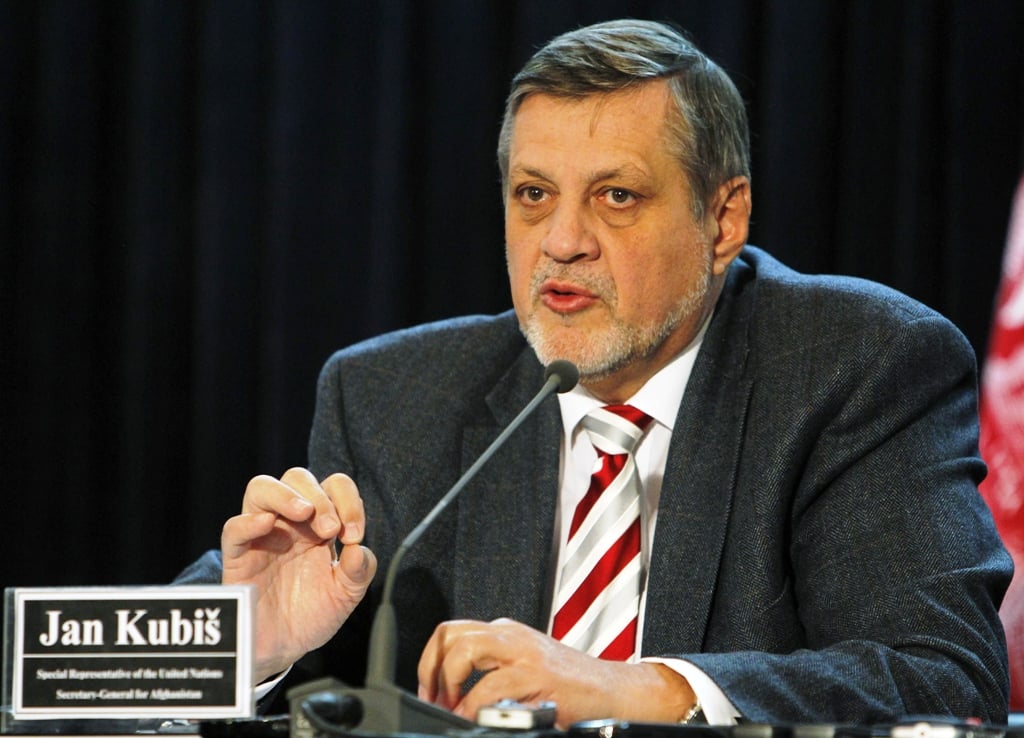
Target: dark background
202	200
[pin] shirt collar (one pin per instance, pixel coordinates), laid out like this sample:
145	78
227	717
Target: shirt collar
660	396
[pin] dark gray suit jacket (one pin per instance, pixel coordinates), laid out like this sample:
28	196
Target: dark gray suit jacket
821	549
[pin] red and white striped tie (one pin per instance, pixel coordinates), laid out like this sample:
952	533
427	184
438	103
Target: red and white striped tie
598	600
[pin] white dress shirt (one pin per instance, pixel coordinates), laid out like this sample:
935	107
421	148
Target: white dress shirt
660	398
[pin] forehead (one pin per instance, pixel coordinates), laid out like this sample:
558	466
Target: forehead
629	123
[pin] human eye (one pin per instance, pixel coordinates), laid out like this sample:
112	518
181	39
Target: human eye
619	197
531	194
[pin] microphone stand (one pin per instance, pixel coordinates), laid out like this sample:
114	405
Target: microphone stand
386	707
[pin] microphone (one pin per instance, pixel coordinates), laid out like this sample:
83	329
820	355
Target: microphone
386	707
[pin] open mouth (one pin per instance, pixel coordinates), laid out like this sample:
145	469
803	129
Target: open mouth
565	297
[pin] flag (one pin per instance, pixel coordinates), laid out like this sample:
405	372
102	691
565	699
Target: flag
1002	434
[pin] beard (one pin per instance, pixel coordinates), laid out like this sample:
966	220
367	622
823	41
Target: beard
600	354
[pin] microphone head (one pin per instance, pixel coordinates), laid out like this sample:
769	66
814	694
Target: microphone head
567	373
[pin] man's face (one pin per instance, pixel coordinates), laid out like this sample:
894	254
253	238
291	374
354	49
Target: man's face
607	266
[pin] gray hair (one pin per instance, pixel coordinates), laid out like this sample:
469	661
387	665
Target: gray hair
709	128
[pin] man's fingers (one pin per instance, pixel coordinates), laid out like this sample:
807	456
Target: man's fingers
358	564
267	494
495	685
325	521
433	655
241	530
296	497
348	505
455	650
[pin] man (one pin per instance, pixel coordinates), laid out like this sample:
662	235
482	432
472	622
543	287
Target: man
813	547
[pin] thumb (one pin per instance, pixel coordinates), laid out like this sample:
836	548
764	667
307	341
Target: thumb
358	564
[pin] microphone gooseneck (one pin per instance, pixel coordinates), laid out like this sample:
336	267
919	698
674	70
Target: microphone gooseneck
560	376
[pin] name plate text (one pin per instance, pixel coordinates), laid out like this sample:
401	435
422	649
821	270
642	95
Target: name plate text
131	652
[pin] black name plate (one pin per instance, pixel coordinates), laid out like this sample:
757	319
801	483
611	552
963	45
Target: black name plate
129	652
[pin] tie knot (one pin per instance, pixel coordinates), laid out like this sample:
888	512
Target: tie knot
616	429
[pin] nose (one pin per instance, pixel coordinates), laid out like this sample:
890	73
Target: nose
569	237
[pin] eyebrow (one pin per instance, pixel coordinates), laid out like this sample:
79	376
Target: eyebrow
528	171
626	171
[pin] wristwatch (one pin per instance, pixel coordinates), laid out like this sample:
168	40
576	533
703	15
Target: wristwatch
694	716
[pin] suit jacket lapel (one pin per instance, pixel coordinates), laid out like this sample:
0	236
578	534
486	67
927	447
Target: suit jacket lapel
506	516
698	487
502	561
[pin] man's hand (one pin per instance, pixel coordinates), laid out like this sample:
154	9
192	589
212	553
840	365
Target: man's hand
523	664
283	542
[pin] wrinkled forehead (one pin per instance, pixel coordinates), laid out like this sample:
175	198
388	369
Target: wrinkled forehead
597	129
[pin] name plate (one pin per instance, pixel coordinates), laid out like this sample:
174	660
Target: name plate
129	652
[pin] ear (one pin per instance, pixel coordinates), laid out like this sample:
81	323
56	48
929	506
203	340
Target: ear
729	220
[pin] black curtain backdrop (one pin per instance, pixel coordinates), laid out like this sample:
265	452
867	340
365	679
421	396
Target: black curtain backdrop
202	200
